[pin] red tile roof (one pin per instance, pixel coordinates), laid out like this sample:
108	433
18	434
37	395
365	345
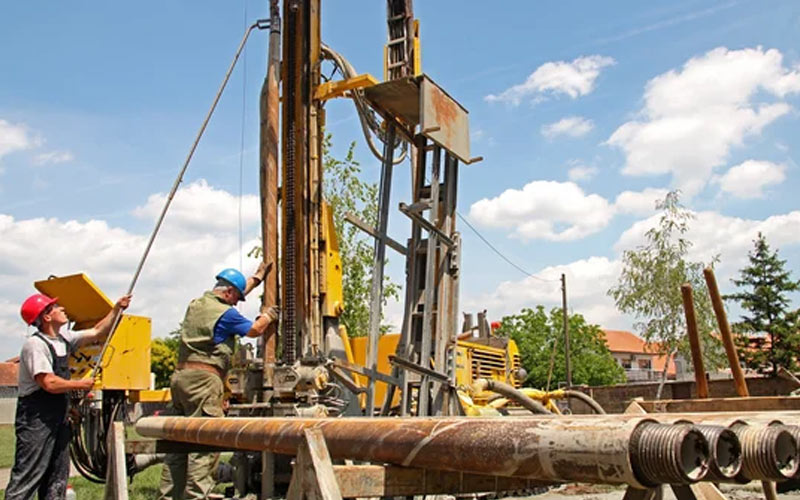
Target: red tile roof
9	374
622	341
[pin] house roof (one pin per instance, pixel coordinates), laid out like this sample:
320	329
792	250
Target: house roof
9	374
622	341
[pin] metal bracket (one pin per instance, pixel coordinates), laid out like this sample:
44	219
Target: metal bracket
356	221
376	375
421	370
427	225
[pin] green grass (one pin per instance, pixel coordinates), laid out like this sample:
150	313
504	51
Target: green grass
6	446
143	487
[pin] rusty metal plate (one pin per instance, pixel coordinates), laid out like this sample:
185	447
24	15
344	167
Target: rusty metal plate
400	98
443	120
419	101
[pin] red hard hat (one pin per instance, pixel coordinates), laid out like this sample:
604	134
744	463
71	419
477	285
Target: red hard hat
34	305
496	324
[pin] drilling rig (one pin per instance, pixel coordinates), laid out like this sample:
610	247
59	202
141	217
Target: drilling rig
306	369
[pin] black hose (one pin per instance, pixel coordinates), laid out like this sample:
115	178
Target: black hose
511	393
594	405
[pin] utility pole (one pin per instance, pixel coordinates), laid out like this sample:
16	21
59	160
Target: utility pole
566	328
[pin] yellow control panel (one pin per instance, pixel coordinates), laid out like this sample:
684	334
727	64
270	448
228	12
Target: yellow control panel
126	363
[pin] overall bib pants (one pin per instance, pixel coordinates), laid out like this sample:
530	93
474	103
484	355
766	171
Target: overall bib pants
41	463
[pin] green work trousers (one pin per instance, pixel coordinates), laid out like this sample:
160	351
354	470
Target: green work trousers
195	393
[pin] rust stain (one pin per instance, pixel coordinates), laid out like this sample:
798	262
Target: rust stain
446	112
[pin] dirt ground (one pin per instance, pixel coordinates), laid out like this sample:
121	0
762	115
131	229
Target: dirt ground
751	491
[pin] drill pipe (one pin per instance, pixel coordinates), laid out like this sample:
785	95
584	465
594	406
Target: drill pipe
766	455
726	452
608	450
769	453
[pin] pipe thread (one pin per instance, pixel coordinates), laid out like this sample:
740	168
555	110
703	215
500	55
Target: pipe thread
768	453
663	453
725	452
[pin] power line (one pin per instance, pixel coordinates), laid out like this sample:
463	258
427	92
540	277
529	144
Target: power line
498	252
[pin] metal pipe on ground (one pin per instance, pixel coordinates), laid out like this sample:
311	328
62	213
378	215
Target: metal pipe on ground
605	450
726	452
769	453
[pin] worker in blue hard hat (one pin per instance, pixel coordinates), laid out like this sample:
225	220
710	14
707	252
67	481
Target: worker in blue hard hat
208	336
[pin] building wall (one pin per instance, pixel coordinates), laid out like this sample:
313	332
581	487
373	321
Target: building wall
614	399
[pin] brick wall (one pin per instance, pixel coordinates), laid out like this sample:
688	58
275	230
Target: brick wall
615	398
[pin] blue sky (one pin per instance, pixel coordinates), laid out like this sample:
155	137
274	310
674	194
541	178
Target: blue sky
585	113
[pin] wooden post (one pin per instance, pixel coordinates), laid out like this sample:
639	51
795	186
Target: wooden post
725	332
116	473
565	315
694	341
313	477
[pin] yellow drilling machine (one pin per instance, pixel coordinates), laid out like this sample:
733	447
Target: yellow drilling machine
315	414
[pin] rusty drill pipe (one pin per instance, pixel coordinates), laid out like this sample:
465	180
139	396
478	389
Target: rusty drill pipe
546	449
769	453
726	452
685	448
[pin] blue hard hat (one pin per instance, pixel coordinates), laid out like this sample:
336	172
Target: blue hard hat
235	278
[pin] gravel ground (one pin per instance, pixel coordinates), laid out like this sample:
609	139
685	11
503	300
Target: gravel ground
751	491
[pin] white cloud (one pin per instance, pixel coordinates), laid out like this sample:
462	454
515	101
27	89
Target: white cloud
556	211
587	282
53	158
198	207
575	78
748	179
693	117
14	137
713	234
182	263
573	126
730	238
582	173
639	202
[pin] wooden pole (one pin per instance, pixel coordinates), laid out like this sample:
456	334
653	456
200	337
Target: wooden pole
694	341
566	329
725	332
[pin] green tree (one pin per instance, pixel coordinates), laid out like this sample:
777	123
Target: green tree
347	193
649	287
535	331
763	285
164	357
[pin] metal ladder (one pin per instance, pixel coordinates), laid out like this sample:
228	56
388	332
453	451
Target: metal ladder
400	43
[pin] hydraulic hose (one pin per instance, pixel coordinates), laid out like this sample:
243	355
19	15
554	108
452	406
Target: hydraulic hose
510	392
594	405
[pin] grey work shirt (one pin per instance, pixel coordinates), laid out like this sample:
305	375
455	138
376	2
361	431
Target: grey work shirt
35	358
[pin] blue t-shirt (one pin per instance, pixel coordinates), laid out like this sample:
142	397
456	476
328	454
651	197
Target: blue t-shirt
231	323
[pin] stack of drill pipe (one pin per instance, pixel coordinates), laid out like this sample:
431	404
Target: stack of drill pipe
607	450
769	449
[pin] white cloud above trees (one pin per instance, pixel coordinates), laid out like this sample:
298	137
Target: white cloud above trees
571	126
750	178
550	210
181	265
575	78
694	116
14	137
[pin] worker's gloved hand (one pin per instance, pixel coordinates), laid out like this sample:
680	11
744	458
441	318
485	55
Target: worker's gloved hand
123	302
261	272
271	312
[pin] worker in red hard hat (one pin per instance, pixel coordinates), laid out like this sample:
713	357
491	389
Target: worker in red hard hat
208	337
41	459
